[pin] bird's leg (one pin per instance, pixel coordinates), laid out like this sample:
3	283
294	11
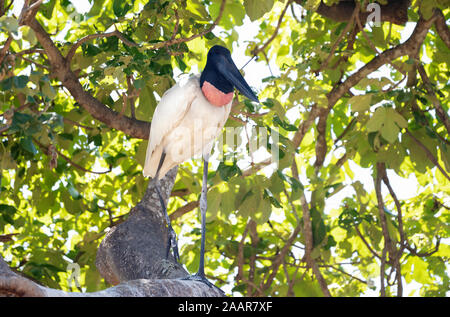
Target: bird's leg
172	237
200	275
203	207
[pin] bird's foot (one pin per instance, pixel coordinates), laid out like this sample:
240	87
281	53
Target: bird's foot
172	244
201	278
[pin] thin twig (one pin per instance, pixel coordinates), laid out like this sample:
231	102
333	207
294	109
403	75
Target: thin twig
69	160
187	39
33	62
341	36
428	153
366	243
116	33
397	205
258	50
440	112
240	256
344	272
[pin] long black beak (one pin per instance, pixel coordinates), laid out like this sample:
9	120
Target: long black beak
229	70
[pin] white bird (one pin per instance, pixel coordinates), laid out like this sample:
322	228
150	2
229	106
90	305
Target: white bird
186	122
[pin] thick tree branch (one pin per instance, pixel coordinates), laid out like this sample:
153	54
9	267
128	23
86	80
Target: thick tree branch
60	69
381	210
308	236
321	140
411	45
12	284
442	28
395	11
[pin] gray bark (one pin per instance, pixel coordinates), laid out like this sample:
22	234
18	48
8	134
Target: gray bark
132	257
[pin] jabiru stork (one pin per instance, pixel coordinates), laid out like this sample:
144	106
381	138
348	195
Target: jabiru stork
186	122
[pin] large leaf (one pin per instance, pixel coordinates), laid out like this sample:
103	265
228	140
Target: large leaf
257	8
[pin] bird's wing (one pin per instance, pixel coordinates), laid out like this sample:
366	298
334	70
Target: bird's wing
173	106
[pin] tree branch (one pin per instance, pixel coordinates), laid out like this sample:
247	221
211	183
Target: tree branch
308	236
440	112
428	153
442	28
258	50
347	28
415	40
12	284
184	210
174	41
321	140
381	207
48	151
395	11
60	69
397	205
305	126
75	46
366	243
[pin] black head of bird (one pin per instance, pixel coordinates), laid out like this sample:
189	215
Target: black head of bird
221	76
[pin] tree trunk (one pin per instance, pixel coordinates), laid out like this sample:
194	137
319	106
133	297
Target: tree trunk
132	257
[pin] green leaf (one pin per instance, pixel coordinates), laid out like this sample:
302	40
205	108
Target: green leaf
9	23
377	120
268	195
214	199
47	8
28	34
27	144
121	8
255	9
7	209
227	171
96	8
249	205
312	5
181	63
48	90
21	118
263	212
360	103
318	227
73	191
398	118
20	81
227	204
285	125
390	130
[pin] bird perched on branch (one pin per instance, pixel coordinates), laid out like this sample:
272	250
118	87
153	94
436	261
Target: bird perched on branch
186	122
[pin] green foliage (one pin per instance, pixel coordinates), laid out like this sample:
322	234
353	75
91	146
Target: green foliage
49	147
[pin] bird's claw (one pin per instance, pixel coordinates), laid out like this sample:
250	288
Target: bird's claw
201	278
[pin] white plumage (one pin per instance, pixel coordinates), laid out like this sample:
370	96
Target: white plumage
184	124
